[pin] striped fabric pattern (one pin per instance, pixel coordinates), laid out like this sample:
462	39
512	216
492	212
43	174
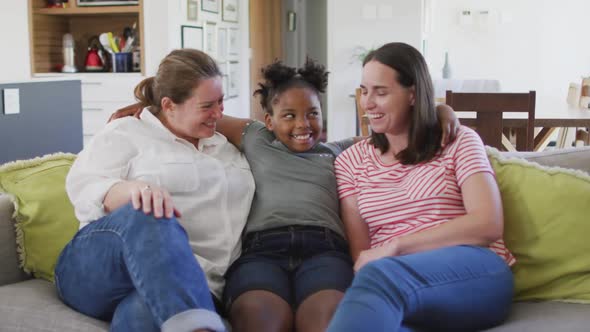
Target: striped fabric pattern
399	199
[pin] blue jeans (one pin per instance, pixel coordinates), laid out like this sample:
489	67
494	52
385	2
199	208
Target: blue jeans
461	288
138	272
297	261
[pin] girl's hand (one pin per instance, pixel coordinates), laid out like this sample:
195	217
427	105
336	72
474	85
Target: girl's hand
366	256
131	110
154	199
449	123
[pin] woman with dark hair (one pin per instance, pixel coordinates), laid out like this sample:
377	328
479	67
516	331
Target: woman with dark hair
162	201
424	223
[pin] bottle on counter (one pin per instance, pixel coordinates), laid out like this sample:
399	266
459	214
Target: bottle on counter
585	93
446	70
68	54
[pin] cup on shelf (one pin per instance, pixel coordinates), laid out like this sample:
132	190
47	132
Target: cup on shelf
122	62
573	94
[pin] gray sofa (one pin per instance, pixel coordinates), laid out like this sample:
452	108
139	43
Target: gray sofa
32	305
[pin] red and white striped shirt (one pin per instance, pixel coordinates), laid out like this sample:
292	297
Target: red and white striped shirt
399	199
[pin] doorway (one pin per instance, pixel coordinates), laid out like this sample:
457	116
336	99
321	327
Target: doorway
289	30
265	44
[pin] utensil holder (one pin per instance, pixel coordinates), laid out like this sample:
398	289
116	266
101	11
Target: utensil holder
122	62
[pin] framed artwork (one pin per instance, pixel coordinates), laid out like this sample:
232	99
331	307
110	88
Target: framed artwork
192	10
223	68
230	11
233	89
224	78
224	81
211	38
211	6
221	44
191	37
233	42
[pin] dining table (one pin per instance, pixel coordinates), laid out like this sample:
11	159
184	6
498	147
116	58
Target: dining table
550	115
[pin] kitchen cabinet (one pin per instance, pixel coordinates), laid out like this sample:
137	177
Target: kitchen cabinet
159	27
101	96
102	92
48	25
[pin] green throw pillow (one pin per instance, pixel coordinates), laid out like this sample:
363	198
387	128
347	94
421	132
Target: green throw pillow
45	220
546	227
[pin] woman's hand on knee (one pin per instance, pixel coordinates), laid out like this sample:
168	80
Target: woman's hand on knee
152	199
366	256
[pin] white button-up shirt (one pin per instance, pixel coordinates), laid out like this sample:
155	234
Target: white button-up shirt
211	186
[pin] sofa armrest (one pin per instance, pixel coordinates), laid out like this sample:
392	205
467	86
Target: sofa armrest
9	270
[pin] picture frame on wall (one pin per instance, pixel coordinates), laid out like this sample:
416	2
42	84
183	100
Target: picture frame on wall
223	68
211	6
224	82
233	41
191	37
211	38
233	89
230	11
224	78
192	10
222	44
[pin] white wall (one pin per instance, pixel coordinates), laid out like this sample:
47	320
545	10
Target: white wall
156	23
14	33
537	45
395	20
163	21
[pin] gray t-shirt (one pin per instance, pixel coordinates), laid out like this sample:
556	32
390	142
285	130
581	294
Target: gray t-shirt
291	188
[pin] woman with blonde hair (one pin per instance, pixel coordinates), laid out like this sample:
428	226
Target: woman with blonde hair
162	200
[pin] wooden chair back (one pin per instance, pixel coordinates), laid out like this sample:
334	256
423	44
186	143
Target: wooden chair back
489	108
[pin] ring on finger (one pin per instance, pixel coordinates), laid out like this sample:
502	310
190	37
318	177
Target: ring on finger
146	188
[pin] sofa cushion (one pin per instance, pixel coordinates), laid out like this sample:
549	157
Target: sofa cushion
45	219
546	317
9	270
33	305
545	226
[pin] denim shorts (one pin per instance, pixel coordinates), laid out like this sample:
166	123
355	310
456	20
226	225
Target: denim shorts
292	262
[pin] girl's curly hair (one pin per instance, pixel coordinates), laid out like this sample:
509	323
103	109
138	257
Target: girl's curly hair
278	78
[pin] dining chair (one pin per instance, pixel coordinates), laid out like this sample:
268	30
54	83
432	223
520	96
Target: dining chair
489	108
583	136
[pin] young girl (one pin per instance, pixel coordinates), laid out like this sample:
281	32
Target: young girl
295	265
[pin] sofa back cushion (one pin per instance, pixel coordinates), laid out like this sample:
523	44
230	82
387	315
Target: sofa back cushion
573	158
44	217
546	224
